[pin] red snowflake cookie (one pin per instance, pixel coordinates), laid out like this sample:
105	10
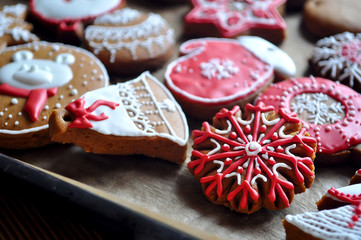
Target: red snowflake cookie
252	160
330	110
230	18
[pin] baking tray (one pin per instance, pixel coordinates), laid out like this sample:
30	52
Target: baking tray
156	198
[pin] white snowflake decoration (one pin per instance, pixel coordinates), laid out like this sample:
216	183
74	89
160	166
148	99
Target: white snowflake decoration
315	105
218	68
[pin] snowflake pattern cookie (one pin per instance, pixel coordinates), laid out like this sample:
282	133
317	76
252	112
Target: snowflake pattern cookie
67	18
128	41
136	117
36	78
220	72
13	29
339	218
231	18
338	58
255	159
329	110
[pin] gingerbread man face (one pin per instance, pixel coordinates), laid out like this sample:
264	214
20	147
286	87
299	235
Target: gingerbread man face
28	73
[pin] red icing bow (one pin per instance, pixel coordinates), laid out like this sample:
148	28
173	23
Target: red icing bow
83	115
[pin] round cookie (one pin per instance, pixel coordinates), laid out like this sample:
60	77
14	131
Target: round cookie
324	18
331	111
338	58
67	18
36	78
128	41
219	72
14	30
231	18
253	159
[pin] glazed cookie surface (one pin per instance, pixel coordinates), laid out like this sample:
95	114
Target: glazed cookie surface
328	17
35	78
67	17
14	30
136	117
231	18
253	159
128	41
337	58
329	110
219	72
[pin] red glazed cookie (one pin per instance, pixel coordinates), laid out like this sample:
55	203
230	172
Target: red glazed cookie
255	159
231	18
330	111
67	18
343	221
338	58
128	41
136	117
14	30
324	18
35	78
219	72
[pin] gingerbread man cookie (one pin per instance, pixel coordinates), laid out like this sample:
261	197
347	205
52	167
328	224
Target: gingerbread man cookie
330	111
128	41
67	18
253	159
13	29
136	117
36	78
231	18
219	72
341	222
338	58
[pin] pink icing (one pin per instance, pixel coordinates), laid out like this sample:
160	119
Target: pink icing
351	51
331	138
253	150
216	71
231	21
83	115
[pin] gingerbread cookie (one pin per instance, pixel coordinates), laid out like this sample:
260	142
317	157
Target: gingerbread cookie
330	111
219	72
13	29
135	117
341	222
324	18
128	41
255	159
231	18
356	178
36	78
67	18
337	58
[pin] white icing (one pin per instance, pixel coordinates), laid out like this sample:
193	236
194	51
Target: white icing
74	9
28	73
216	149
281	61
145	34
218	68
119	17
253	148
328	224
14	10
133	121
354	189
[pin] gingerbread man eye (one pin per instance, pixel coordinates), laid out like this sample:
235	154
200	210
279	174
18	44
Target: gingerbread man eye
65	58
22	55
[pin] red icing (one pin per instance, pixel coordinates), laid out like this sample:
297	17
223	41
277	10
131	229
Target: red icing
231	21
234	72
256	154
334	137
36	98
83	115
350	199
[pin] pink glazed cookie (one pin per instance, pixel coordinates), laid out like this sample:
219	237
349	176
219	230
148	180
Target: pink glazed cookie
330	110
218	72
67	18
231	18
